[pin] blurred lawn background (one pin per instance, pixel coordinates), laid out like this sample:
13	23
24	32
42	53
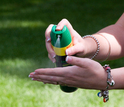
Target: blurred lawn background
22	50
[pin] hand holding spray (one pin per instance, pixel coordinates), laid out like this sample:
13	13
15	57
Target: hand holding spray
61	40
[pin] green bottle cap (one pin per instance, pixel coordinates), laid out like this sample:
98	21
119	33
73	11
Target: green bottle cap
63	36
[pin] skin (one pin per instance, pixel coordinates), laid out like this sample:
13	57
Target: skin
84	72
77	40
82	48
74	76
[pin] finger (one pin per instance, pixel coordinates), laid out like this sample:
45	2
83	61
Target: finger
62	23
45	82
49	48
51	53
52	58
46	79
52	75
75	50
48	31
51	71
32	73
82	62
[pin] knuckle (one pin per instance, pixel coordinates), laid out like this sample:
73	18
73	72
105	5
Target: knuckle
69	76
64	19
48	29
49	56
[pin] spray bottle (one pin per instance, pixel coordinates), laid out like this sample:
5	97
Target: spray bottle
61	40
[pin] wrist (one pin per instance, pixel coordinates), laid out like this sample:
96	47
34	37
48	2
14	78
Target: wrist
110	83
105	47
97	46
92	46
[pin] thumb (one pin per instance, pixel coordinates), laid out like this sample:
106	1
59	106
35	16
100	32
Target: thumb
74	50
82	62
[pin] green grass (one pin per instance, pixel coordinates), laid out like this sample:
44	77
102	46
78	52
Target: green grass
22	50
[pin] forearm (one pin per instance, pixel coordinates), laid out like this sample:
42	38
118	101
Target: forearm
113	35
112	40
118	75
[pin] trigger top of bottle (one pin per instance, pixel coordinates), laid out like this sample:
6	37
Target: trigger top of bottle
63	34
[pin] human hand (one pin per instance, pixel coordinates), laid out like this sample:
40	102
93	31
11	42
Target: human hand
79	48
85	73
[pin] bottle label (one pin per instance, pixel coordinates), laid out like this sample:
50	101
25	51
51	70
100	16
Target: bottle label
61	51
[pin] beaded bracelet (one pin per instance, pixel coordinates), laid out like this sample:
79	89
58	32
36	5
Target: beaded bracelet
110	82
97	42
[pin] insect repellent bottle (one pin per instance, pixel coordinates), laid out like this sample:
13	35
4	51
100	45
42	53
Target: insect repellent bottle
61	40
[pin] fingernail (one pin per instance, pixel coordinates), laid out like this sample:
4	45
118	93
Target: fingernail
67	51
30	76
53	56
47	39
53	60
58	28
34	79
68	58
